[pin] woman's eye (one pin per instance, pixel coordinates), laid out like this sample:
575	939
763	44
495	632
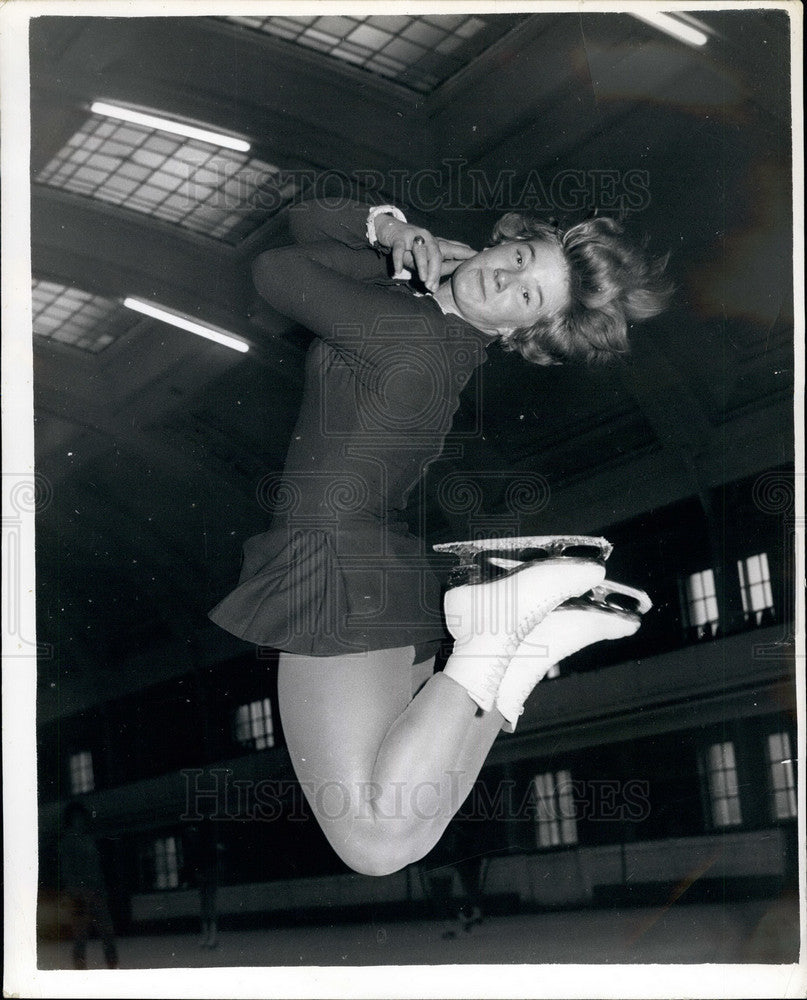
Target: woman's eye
526	295
519	258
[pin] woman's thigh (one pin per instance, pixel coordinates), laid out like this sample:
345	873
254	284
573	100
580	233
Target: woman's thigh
336	711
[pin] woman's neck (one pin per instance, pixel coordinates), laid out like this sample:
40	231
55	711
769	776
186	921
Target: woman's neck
444	297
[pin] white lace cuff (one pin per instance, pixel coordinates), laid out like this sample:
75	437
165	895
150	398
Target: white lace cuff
381	210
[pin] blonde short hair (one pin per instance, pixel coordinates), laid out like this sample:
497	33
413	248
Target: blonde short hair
612	283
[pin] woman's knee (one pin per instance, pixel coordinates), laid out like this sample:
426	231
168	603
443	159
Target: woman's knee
376	861
386	848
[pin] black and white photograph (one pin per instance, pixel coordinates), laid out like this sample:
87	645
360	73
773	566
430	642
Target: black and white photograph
403	482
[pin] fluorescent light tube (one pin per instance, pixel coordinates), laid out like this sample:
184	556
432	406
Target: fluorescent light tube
678	29
166	125
175	319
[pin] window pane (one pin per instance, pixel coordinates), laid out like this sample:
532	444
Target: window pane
701	606
252	724
755	588
719	789
731	783
753	566
82	778
778	747
734	811
782	776
569	831
547	835
165	860
372	38
723	785
554	809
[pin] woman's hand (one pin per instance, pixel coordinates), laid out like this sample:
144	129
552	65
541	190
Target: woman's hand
417	250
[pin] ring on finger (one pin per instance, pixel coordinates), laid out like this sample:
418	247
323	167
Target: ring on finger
418	241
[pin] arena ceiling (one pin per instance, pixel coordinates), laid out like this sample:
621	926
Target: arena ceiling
153	441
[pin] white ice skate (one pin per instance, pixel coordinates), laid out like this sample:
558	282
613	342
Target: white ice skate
610	611
514	584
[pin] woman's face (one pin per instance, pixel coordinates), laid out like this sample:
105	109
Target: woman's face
511	285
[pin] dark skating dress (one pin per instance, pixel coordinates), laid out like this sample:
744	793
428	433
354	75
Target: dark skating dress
339	571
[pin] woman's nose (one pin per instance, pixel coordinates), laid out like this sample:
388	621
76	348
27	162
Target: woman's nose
500	279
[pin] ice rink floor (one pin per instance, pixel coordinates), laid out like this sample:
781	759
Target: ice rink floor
762	931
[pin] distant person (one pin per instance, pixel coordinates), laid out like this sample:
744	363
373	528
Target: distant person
202	854
83	882
459	851
472	873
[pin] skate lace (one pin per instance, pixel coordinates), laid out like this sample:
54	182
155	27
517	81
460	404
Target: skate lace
514	640
525	626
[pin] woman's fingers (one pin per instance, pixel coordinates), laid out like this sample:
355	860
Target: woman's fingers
417	249
399	248
431	258
452	255
452	250
449	267
428	258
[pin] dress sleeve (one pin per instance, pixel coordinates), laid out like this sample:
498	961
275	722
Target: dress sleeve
323	287
330	219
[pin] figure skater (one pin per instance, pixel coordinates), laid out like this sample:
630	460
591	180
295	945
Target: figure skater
385	749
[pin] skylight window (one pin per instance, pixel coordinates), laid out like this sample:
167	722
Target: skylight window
418	52
72	316
223	193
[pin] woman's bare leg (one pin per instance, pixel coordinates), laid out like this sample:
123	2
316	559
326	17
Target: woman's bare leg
383	772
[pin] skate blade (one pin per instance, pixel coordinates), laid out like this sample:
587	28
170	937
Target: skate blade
617	598
483	560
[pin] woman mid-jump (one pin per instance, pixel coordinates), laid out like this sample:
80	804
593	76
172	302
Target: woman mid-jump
385	749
